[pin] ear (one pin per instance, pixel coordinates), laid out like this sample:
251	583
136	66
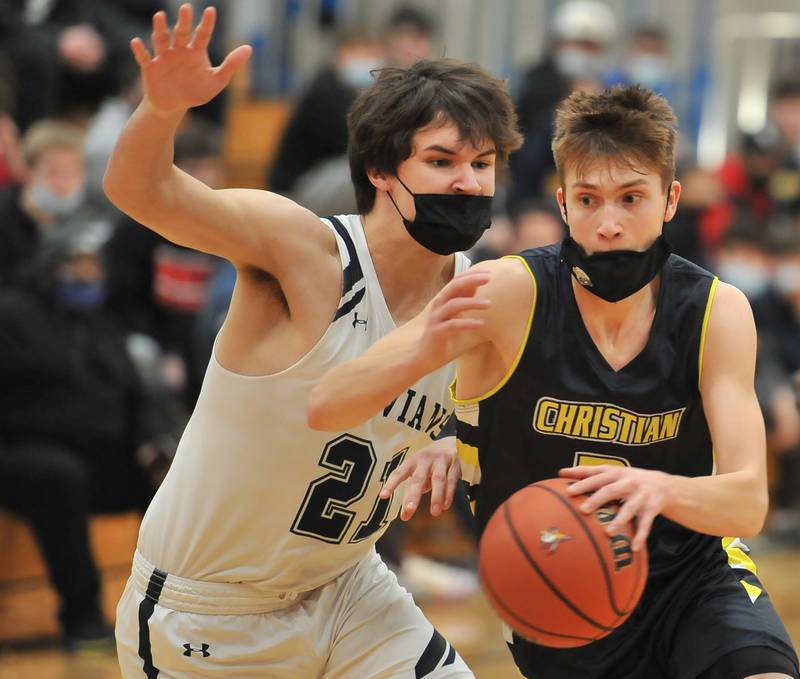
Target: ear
379	179
561	207
672	201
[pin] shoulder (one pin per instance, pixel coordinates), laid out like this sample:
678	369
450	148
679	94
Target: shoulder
506	272
729	339
730	309
282	221
510	287
686	269
542	262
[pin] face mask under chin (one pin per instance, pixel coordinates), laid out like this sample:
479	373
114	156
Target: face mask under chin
618	274
55	204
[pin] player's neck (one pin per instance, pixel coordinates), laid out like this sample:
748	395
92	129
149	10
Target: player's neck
409	274
613	319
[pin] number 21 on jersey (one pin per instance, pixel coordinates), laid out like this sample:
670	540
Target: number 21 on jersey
323	513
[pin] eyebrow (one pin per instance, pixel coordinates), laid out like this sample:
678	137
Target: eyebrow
442	149
626	185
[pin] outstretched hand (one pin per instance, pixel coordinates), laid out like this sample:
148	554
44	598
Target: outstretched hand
179	75
433	469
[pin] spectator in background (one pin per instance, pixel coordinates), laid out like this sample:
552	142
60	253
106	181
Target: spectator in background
13	169
785	112
211	315
538	224
763	180
53	196
746	179
86	41
744	258
73	419
157	287
747	258
311	164
408	36
106	125
646	60
27	66
777	315
702	195
580	35
534	224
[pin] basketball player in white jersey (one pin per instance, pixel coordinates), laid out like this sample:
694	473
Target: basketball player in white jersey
256	557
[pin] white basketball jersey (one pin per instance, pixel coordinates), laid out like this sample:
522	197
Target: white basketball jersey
255	496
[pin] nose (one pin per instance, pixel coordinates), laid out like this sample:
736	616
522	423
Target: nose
466	181
609	228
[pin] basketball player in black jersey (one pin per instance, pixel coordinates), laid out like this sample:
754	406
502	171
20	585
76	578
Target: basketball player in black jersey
610	361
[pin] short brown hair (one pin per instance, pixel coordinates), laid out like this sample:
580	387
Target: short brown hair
50	133
383	120
628	123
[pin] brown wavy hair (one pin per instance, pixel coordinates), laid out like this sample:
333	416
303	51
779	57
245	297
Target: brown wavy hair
630	123
383	120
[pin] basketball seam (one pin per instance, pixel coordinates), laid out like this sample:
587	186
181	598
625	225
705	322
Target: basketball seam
501	604
580	517
640	569
535	566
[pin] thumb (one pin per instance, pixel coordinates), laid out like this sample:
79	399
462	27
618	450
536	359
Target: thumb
233	62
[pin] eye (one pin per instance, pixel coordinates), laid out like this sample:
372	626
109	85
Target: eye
585	200
441	162
632	198
481	164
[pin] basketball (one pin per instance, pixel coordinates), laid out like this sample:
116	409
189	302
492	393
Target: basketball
553	573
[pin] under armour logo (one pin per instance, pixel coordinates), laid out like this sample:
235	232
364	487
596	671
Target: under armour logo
359	321
203	649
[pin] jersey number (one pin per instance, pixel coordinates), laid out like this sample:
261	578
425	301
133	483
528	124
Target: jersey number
590	459
323	514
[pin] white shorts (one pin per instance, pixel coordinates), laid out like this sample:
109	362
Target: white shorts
359	626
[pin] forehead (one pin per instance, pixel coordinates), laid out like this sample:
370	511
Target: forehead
445	133
58	155
610	173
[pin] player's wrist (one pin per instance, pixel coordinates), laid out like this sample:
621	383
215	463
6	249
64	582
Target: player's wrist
168	115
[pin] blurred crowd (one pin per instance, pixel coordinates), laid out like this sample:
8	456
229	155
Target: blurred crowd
106	328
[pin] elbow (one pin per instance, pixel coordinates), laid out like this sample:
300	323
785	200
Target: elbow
132	195
756	517
112	187
318	415
109	187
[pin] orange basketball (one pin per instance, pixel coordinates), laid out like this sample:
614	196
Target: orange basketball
553	573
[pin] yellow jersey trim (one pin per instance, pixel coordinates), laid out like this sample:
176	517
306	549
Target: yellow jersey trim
752	591
706	316
467	454
518	357
737	557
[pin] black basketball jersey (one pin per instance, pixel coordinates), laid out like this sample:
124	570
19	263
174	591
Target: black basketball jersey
562	404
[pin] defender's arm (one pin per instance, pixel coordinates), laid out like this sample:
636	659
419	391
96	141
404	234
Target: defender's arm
247	227
449	326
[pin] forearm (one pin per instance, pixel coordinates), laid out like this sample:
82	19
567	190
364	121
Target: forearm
141	166
353	392
732	504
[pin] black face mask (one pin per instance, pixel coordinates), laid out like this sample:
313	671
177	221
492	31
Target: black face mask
614	275
447	223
